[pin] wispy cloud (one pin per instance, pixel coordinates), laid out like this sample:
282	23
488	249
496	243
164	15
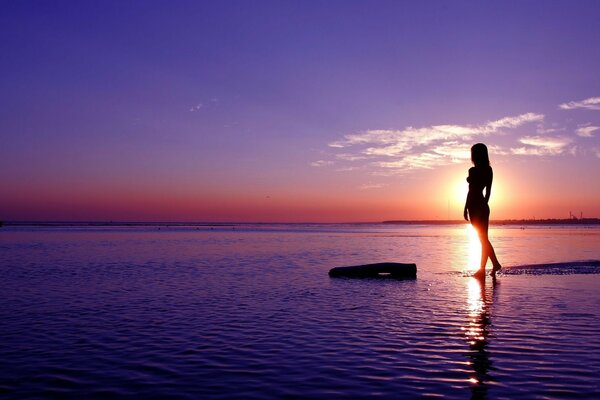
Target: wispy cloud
542	130
437	156
497	150
349	157
573	150
321	163
541	146
422	148
396	142
456	151
214	102
593	103
416	161
512	122
386	152
586	131
346	169
368	186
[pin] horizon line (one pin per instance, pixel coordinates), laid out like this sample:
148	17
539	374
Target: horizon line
564	221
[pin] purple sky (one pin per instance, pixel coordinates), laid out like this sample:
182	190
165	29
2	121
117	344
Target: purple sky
330	110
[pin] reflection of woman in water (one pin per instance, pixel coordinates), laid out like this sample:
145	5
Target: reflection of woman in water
476	206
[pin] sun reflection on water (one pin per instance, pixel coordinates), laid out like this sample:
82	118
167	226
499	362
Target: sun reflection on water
474	249
474	329
477	330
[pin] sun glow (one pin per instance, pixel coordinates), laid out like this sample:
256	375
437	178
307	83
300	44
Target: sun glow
474	248
459	189
497	198
474	330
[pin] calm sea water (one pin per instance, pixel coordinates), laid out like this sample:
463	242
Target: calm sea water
250	312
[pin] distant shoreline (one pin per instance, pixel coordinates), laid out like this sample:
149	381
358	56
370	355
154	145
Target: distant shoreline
552	221
522	222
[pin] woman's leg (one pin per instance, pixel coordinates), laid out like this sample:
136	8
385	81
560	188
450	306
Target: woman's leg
494	259
481	228
487	250
485	246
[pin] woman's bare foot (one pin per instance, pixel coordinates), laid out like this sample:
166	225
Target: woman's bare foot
479	274
496	268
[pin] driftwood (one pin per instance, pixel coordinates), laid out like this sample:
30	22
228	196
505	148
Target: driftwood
387	269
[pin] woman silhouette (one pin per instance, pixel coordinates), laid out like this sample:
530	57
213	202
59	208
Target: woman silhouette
476	206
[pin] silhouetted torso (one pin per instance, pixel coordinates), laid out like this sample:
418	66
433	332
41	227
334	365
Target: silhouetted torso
479	178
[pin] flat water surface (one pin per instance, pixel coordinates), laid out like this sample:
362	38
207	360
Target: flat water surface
249	312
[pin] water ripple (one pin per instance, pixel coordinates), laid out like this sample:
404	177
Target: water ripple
185	314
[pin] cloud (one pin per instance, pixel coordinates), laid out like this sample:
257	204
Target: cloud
396	142
346	169
512	122
437	156
321	163
370	136
425	147
586	131
214	102
573	150
593	103
349	157
456	151
498	150
416	161
541	146
542	130
368	186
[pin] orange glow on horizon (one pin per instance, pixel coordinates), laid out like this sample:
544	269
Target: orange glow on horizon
433	195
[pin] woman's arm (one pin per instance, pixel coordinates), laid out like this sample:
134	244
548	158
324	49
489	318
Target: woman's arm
465	211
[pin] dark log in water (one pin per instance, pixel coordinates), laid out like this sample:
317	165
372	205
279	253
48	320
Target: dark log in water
378	270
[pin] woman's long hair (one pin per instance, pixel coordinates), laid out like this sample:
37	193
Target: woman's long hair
479	155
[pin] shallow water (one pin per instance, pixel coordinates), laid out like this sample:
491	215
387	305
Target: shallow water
249	312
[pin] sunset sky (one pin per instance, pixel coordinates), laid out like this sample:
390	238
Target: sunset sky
290	111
